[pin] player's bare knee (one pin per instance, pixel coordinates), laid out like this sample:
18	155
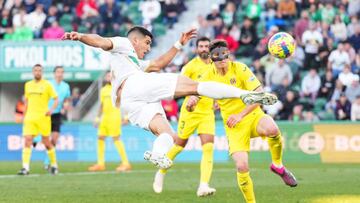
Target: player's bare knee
181	142
272	131
242	166
101	137
116	138
28	141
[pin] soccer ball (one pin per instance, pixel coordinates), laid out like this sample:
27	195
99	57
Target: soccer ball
281	45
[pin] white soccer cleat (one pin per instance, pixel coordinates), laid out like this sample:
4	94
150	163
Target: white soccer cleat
158	182
160	161
205	190
259	97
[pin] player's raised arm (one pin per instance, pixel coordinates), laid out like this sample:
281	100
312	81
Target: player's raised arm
165	59
93	40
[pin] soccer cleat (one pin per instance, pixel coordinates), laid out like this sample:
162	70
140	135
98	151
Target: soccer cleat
205	190
96	167
123	168
160	161
47	167
23	172
288	178
54	170
158	182
259	97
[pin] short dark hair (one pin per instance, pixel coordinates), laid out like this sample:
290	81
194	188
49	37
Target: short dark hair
141	30
57	67
202	39
37	65
218	43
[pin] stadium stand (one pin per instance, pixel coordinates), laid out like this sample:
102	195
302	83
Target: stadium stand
324	68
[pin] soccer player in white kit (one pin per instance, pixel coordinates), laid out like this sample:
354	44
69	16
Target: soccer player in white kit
138	88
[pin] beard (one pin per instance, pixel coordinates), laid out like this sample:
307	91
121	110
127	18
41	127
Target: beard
204	55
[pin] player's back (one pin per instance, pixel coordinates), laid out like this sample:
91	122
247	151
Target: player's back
195	70
38	95
109	112
240	76
124	62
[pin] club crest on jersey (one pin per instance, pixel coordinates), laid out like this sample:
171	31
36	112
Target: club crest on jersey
233	81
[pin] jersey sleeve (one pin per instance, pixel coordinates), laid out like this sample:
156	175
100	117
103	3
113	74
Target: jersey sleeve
186	70
68	93
101	96
51	91
120	45
247	77
26	91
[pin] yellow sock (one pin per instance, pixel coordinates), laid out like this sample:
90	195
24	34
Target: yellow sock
275	144
26	155
52	157
101	152
172	153
246	186
206	165
121	150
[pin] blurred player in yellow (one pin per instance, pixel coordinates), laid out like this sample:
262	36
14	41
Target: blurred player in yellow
200	118
244	122
110	125
37	119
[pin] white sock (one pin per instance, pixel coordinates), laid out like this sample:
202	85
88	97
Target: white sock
217	90
204	184
26	166
162	144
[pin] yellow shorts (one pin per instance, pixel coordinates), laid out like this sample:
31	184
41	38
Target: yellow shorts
239	137
37	125
188	123
111	129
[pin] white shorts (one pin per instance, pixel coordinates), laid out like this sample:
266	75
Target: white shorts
142	94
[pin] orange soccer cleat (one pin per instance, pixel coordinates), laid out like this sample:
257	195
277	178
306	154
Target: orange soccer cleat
123	168
96	167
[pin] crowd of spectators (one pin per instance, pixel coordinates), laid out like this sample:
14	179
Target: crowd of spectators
24	20
319	82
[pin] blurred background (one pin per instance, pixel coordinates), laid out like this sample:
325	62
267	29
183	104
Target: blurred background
318	86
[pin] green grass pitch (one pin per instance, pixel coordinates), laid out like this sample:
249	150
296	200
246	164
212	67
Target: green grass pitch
327	183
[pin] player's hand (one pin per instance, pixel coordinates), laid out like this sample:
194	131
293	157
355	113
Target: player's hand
75	36
96	122
233	120
186	36
193	100
48	113
216	106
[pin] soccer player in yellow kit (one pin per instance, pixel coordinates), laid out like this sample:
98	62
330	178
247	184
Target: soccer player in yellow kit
245	122
200	118
37	119
110	125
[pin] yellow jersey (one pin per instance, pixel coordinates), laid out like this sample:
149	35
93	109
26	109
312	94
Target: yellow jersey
109	112
38	95
240	76
195	70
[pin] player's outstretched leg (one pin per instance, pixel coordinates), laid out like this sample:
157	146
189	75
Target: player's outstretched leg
185	86
269	128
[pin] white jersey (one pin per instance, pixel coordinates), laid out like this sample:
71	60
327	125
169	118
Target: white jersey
124	62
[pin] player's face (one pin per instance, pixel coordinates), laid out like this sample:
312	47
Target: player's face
203	49
107	78
59	74
142	46
37	72
220	56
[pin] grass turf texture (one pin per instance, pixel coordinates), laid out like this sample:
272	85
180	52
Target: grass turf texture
317	183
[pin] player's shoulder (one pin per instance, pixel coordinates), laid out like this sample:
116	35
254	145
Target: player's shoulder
193	62
239	66
30	82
